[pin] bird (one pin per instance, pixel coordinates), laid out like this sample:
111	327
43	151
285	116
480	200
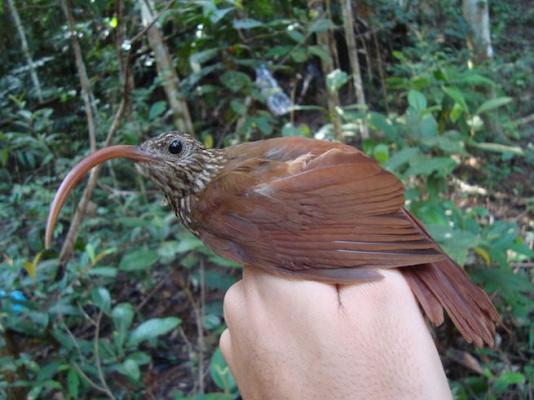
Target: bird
304	209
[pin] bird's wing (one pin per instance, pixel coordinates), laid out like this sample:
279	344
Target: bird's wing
313	215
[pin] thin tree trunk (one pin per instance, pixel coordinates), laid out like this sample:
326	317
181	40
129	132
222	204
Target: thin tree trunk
25	49
171	82
120	41
476	14
381	70
68	244
82	72
328	67
348	24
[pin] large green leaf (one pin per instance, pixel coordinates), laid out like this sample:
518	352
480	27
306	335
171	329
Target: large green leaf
151	329
220	372
235	80
457	95
101	298
417	100
122	316
246	23
492	104
401	158
426	166
138	260
336	79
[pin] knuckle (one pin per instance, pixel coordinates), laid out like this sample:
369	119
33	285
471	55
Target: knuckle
224	342
233	301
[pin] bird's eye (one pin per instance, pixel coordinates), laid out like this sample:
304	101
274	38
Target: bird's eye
176	147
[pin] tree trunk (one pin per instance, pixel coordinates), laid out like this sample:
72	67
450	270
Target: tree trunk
476	14
25	49
68	244
348	24
171	82
327	67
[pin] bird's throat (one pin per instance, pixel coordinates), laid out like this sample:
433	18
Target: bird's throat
198	177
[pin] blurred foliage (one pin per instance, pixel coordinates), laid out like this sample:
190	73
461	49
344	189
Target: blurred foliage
122	319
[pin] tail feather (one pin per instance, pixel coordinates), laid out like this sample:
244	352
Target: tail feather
444	285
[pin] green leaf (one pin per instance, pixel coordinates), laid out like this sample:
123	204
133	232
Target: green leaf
122	316
151	329
130	368
235	80
497	148
457	95
299	55
188	243
157	109
90	250
381	123
138	260
108	272
278	51
493	104
73	383
451	142
220	372
216	14
140	357
428	129
401	158
296	35
263	125
246	23
508	378
456	112
336	79
455	242
201	57
101	298
320	52
426	166
238	106
381	153
320	25
417	100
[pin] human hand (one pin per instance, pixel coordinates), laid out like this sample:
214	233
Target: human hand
296	339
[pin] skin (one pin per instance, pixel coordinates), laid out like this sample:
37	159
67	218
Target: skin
294	339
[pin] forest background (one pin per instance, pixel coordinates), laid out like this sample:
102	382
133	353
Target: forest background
127	304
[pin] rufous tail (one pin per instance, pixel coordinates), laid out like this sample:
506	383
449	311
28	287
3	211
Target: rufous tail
444	285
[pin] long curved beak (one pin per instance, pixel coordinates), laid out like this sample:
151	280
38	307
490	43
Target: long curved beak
79	171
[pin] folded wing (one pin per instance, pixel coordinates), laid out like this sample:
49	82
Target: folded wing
330	211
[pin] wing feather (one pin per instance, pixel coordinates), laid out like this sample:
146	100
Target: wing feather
331	210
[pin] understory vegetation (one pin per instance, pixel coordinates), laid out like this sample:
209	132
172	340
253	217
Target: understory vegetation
133	309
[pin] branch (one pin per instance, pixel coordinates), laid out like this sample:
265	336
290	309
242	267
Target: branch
68	245
82	72
25	49
348	24
170	80
97	359
328	67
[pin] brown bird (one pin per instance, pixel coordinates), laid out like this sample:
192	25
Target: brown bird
302	208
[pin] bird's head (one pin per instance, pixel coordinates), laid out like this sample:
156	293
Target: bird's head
177	163
183	165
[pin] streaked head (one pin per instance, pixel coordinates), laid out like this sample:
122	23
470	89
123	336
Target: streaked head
182	166
176	162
